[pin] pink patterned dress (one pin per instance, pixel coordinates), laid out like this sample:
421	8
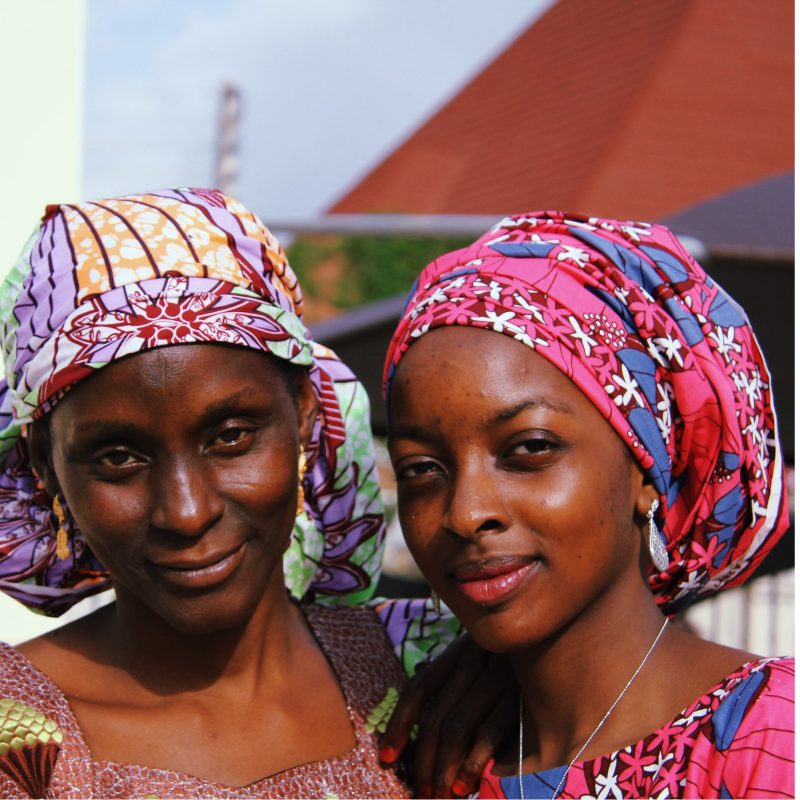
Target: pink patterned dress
43	752
737	740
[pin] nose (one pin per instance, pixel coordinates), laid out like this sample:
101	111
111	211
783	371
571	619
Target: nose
476	505
186	501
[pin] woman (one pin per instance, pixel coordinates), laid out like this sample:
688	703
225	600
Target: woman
611	458
203	482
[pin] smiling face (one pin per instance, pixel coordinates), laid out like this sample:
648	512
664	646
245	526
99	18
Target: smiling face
179	465
517	498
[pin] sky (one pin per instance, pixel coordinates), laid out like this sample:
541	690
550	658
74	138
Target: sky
330	88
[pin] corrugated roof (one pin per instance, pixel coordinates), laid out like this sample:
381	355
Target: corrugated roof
631	109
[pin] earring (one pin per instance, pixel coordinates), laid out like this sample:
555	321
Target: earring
658	552
301	493
436	602
62	550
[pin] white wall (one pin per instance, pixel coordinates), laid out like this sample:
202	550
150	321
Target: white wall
41	92
41	97
758	617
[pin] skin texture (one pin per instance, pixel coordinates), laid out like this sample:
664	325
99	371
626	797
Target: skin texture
165	473
504	465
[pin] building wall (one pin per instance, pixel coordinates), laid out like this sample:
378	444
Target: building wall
41	80
41	75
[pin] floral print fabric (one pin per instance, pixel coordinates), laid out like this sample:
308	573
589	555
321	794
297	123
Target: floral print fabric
662	351
103	280
737	740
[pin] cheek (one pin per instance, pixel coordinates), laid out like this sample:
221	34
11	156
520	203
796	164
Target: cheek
420	520
114	522
261	488
584	517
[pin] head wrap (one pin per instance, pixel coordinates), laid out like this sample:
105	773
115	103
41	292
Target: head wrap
667	357
100	281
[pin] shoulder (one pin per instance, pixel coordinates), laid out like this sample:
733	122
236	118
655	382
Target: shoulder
356	642
749	750
21	680
357	625
37	719
355	630
761	693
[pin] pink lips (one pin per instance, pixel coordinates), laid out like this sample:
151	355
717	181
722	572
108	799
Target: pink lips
489	583
188	576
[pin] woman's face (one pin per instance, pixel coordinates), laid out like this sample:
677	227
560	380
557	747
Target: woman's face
517	498
179	465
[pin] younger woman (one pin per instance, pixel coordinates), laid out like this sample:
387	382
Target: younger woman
582	430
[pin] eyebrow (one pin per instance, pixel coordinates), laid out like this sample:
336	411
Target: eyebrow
419	434
229	405
413	432
535	402
124	429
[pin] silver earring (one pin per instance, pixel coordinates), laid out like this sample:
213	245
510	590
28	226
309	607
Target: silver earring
436	602
658	552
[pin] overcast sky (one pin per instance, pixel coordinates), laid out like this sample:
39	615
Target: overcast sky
330	87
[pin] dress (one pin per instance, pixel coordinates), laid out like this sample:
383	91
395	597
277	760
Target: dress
737	740
352	638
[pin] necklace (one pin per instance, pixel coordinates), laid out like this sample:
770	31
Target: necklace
586	743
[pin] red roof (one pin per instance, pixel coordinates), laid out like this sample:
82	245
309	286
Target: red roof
631	109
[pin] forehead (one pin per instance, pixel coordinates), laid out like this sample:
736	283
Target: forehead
475	363
181	381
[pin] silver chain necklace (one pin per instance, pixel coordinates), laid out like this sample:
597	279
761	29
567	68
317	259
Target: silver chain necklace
586	743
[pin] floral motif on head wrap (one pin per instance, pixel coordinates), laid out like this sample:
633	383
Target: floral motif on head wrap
662	351
103	280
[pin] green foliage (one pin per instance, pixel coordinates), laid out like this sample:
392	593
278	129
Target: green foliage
382	266
304	254
374	267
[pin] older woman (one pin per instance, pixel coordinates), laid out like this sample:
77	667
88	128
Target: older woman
582	430
168	427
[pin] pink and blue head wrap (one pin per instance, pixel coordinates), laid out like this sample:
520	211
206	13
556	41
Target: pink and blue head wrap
668	358
103	280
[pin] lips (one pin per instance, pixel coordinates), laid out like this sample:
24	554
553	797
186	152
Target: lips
491	582
200	573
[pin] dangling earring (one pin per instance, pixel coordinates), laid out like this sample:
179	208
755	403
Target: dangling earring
436	602
658	552
301	494
62	550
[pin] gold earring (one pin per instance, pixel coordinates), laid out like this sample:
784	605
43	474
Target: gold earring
301	494
62	550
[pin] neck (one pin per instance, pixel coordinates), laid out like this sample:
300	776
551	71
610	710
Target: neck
571	680
168	661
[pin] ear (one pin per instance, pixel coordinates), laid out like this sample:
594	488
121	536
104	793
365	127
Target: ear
644	498
307	410
41	453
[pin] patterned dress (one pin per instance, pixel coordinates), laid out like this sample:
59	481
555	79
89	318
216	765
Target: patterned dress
737	740
43	752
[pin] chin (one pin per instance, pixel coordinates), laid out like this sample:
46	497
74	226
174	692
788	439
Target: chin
194	618
508	627
222	609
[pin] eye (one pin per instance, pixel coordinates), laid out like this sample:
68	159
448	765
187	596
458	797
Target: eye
405	471
531	447
231	436
117	458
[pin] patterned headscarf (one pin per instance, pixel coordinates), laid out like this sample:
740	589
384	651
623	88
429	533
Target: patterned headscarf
103	280
661	350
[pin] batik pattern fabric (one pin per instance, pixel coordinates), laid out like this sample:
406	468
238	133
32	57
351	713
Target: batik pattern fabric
667	357
103	280
418	632
737	740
